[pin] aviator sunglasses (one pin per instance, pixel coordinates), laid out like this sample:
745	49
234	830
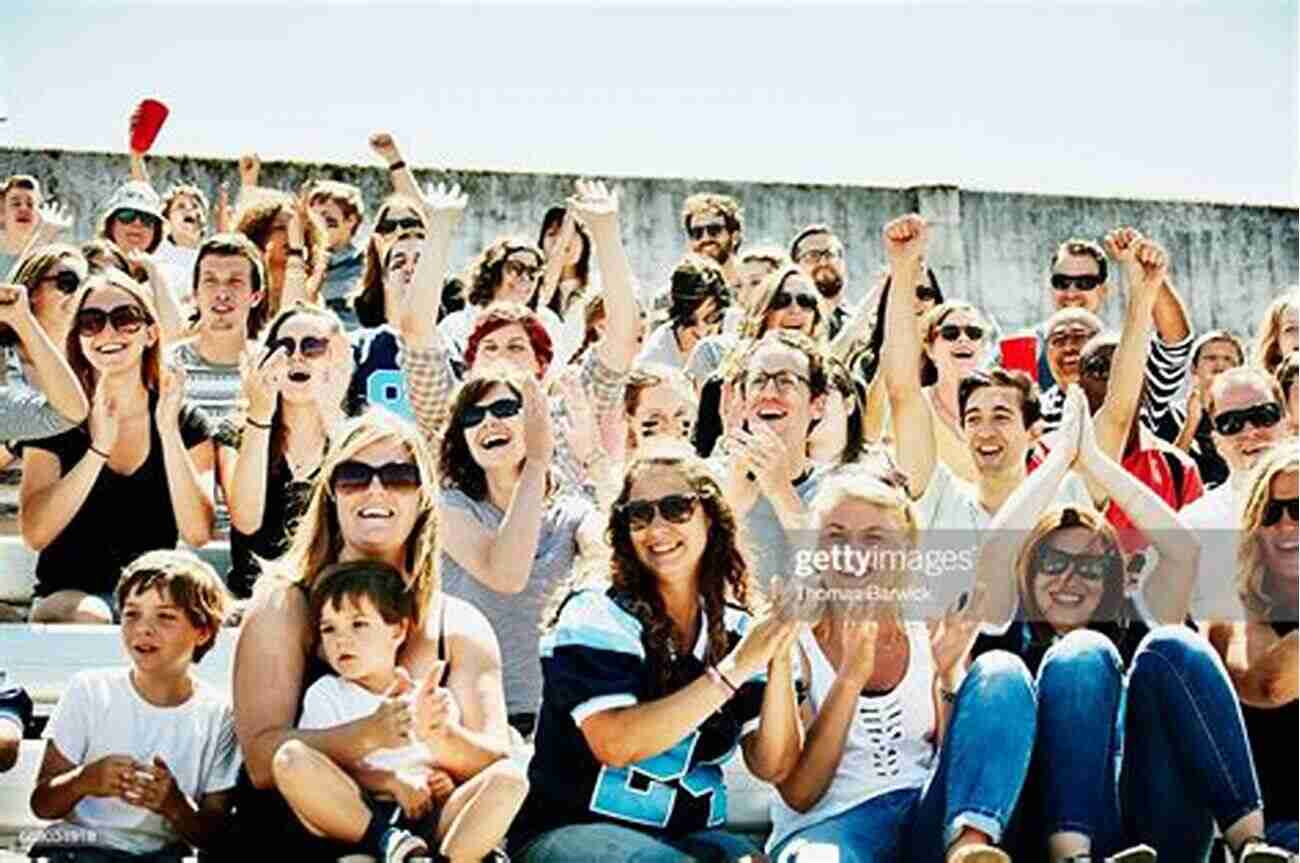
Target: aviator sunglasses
675	508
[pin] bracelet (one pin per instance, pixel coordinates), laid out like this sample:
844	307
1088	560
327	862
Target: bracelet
948	697
397	166
718	679
103	455
257	425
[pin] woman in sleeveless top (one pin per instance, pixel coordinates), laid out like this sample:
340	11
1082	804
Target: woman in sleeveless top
376	503
895	765
1133	706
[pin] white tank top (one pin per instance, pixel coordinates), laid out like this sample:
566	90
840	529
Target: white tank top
889	746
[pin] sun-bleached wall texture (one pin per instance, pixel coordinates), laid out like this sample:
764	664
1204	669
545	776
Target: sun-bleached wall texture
991	248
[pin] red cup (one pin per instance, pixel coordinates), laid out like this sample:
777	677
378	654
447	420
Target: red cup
1021	353
145	123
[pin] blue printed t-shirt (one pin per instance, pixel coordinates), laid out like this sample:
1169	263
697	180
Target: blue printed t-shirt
377	377
594	659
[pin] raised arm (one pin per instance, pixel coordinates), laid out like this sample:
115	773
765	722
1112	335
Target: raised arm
170	320
598	209
52	220
555	263
772	750
385	147
54	378
188	469
900	356
261	379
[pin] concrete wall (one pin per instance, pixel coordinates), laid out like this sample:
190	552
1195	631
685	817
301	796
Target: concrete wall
990	247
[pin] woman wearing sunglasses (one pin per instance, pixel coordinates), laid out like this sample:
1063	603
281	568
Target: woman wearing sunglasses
132	479
650	680
1119	679
397	215
508	534
1260	651
376	501
39	394
293	390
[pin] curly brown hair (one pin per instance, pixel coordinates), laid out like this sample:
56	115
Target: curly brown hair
256	220
456	466
483	275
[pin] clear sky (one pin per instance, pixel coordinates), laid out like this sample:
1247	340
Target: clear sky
1136	100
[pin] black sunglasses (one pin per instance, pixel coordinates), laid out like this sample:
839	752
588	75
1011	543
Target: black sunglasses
353	476
387	226
501	409
522	271
1264	415
1062	282
310	346
927	294
66	282
715	230
952	332
782	299
676	508
1090	567
129	217
1278	505
125	319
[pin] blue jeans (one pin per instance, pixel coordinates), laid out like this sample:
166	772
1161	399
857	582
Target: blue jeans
994	713
1157	756
613	843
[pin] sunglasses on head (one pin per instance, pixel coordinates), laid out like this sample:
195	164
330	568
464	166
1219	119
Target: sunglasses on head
353	476
927	294
130	217
675	508
66	282
125	319
1278	505
1264	415
952	332
1090	567
310	346
501	409
782	299
387	226
714	230
1062	282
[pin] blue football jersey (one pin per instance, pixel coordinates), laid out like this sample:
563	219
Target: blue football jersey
377	378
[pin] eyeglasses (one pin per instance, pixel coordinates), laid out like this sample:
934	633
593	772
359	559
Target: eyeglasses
66	282
129	216
675	508
1278	505
522	271
387	226
125	319
310	346
1090	567
952	332
1264	415
1062	282
927	294
354	476
816	256
785	381
501	409
714	230
1097	367
782	299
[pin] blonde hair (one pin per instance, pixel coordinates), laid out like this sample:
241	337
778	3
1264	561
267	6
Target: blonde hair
1252	572
1268	351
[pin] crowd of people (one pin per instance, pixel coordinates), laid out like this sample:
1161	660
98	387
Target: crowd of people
508	506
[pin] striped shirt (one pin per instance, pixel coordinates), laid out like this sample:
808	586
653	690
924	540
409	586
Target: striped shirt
217	389
1165	375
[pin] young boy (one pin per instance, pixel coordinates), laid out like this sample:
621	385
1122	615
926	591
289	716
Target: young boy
141	761
364	612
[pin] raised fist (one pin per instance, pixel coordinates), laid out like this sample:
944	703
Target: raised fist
905	239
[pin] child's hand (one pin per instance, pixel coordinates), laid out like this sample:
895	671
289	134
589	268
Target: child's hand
110	776
154	789
389	727
441	785
414	797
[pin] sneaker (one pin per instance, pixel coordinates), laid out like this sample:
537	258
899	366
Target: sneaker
1136	854
1259	851
401	846
979	854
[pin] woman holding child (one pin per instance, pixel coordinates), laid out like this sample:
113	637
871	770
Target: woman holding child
375	503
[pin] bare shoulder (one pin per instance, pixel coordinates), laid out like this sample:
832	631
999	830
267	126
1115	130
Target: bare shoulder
469	634
277	614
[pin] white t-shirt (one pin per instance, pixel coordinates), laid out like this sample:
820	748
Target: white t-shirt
1215	517
333	701
177	265
102	714
661	347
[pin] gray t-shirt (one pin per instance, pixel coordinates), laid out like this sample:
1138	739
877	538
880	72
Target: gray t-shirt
771	549
516	617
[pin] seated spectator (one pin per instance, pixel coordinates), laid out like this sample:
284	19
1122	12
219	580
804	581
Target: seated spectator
509	533
39	394
15	714
897	730
956	339
594	321
375	503
141	443
133	219
292	388
185	219
376	345
651	678
1260	649
820	254
20	198
341	209
293	244
752	269
102	254
839	436
401	798
1187	425
1278	331
397	215
1052	582
715	228
1287	372
659	403
698	301
143	759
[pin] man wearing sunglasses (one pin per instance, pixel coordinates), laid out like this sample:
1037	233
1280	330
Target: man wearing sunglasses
698	300
1248	412
715	226
1187	425
342	209
820	254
